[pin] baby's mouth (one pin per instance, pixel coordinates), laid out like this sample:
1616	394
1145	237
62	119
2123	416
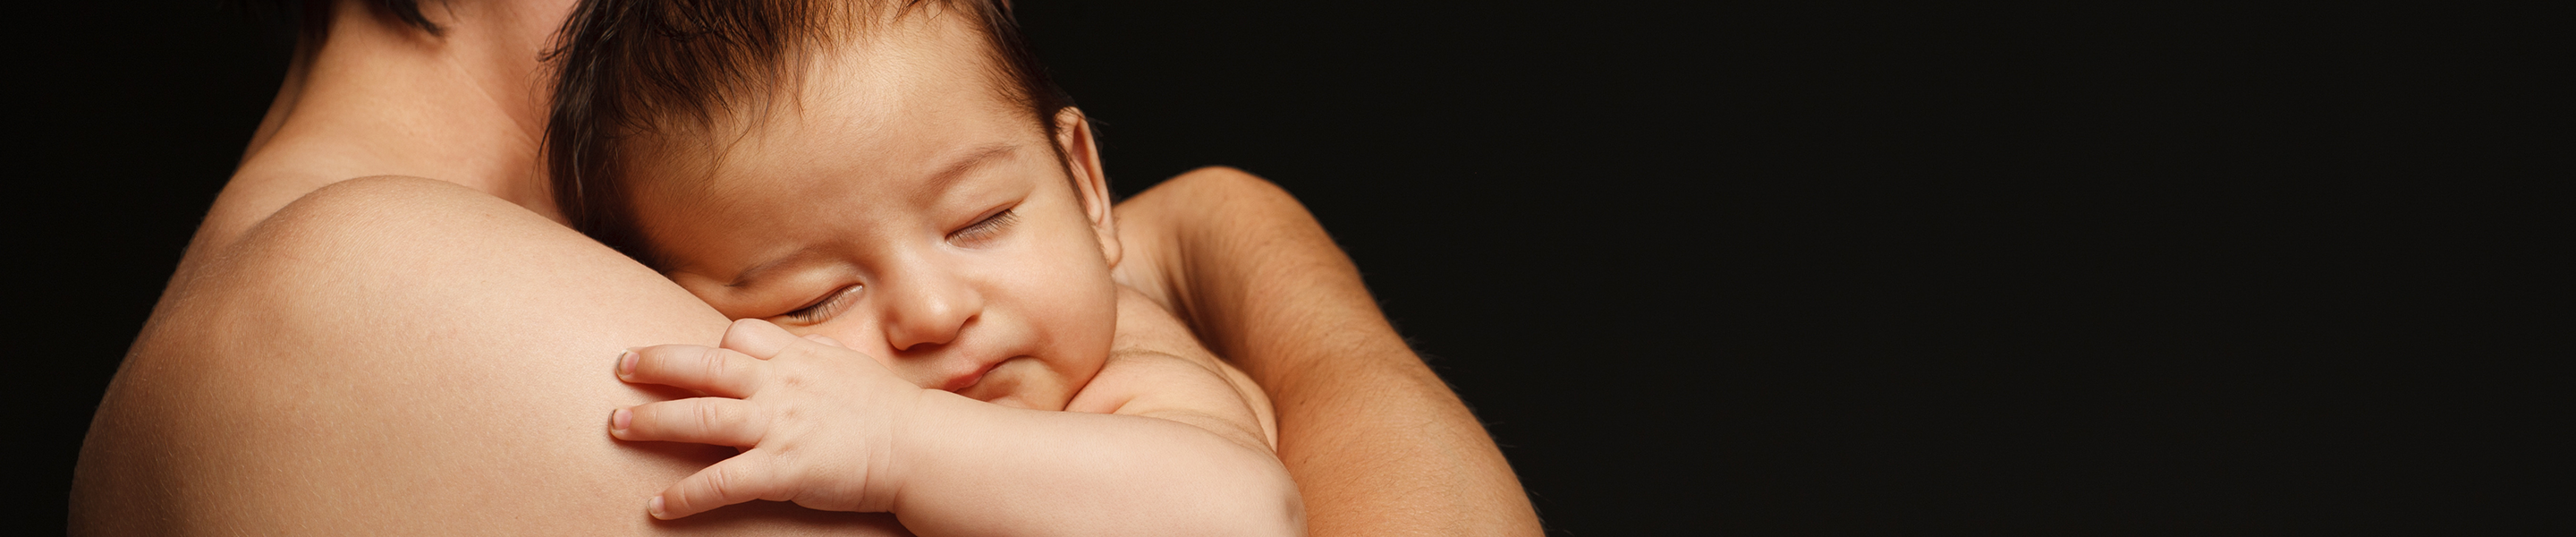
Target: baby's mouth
1004	389
961	383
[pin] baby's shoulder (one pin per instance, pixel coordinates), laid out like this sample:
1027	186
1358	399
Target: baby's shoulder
1154	383
1134	373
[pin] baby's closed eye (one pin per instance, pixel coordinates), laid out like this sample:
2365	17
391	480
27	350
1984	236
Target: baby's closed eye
985	229
823	309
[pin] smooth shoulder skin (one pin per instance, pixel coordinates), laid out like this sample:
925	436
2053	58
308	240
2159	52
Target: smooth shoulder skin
401	356
1377	443
1160	370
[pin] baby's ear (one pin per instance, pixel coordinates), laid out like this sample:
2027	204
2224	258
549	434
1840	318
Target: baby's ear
1090	184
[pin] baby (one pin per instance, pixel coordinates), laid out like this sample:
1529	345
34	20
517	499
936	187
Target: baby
900	186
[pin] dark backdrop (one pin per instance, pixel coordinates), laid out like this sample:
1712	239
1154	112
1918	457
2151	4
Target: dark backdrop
1831	269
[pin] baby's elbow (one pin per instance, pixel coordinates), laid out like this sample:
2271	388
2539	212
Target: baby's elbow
1237	490
1273	506
1291	516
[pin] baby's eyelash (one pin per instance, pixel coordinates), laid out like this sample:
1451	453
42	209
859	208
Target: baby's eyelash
824	308
988	226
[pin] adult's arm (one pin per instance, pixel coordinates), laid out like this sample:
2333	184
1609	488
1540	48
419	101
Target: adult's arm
398	356
1377	443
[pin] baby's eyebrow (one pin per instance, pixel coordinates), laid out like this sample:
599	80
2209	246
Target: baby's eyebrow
938	182
948	175
747	274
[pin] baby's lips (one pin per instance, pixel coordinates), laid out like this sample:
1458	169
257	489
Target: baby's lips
969	378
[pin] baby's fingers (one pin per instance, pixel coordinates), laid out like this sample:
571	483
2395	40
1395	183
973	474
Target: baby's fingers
712	370
704	420
742	478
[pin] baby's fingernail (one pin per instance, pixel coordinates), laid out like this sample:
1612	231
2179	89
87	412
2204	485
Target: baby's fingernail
620	419
626	364
655	507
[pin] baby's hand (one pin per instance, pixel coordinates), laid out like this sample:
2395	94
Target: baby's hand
817	422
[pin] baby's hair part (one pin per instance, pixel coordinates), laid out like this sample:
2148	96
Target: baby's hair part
630	69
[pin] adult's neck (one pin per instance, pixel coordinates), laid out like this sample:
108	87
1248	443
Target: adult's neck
380	97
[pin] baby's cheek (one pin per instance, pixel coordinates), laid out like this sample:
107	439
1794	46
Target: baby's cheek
858	336
1099	332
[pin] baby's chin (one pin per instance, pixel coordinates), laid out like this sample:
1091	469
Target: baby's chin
1022	382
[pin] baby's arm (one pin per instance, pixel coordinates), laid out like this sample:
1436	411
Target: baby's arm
828	428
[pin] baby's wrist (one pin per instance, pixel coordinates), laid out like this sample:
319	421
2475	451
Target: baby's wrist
917	421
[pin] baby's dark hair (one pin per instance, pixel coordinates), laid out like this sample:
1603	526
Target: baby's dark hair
632	68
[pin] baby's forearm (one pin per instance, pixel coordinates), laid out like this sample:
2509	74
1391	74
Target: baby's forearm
974	468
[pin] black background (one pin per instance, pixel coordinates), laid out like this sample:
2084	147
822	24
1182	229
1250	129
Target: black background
1830	269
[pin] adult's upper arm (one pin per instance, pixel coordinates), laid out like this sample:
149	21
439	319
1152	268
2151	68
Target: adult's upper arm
1377	443
396	355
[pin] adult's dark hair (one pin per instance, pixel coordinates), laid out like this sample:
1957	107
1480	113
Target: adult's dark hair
312	18
636	68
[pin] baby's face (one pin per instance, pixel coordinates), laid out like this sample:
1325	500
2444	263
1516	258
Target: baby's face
899	205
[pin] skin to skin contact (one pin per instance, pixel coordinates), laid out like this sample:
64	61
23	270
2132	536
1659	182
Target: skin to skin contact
954	283
349	348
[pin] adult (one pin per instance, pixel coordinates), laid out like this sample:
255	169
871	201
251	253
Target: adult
383	327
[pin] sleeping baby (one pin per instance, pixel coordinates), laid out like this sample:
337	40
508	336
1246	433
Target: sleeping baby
913	231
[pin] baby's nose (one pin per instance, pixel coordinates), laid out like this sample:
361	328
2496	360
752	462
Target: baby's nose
928	310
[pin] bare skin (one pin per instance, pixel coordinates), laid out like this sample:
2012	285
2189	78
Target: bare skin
350	349
1377	443
960	272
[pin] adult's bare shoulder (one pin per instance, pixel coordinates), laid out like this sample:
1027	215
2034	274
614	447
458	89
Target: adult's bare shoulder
397	355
